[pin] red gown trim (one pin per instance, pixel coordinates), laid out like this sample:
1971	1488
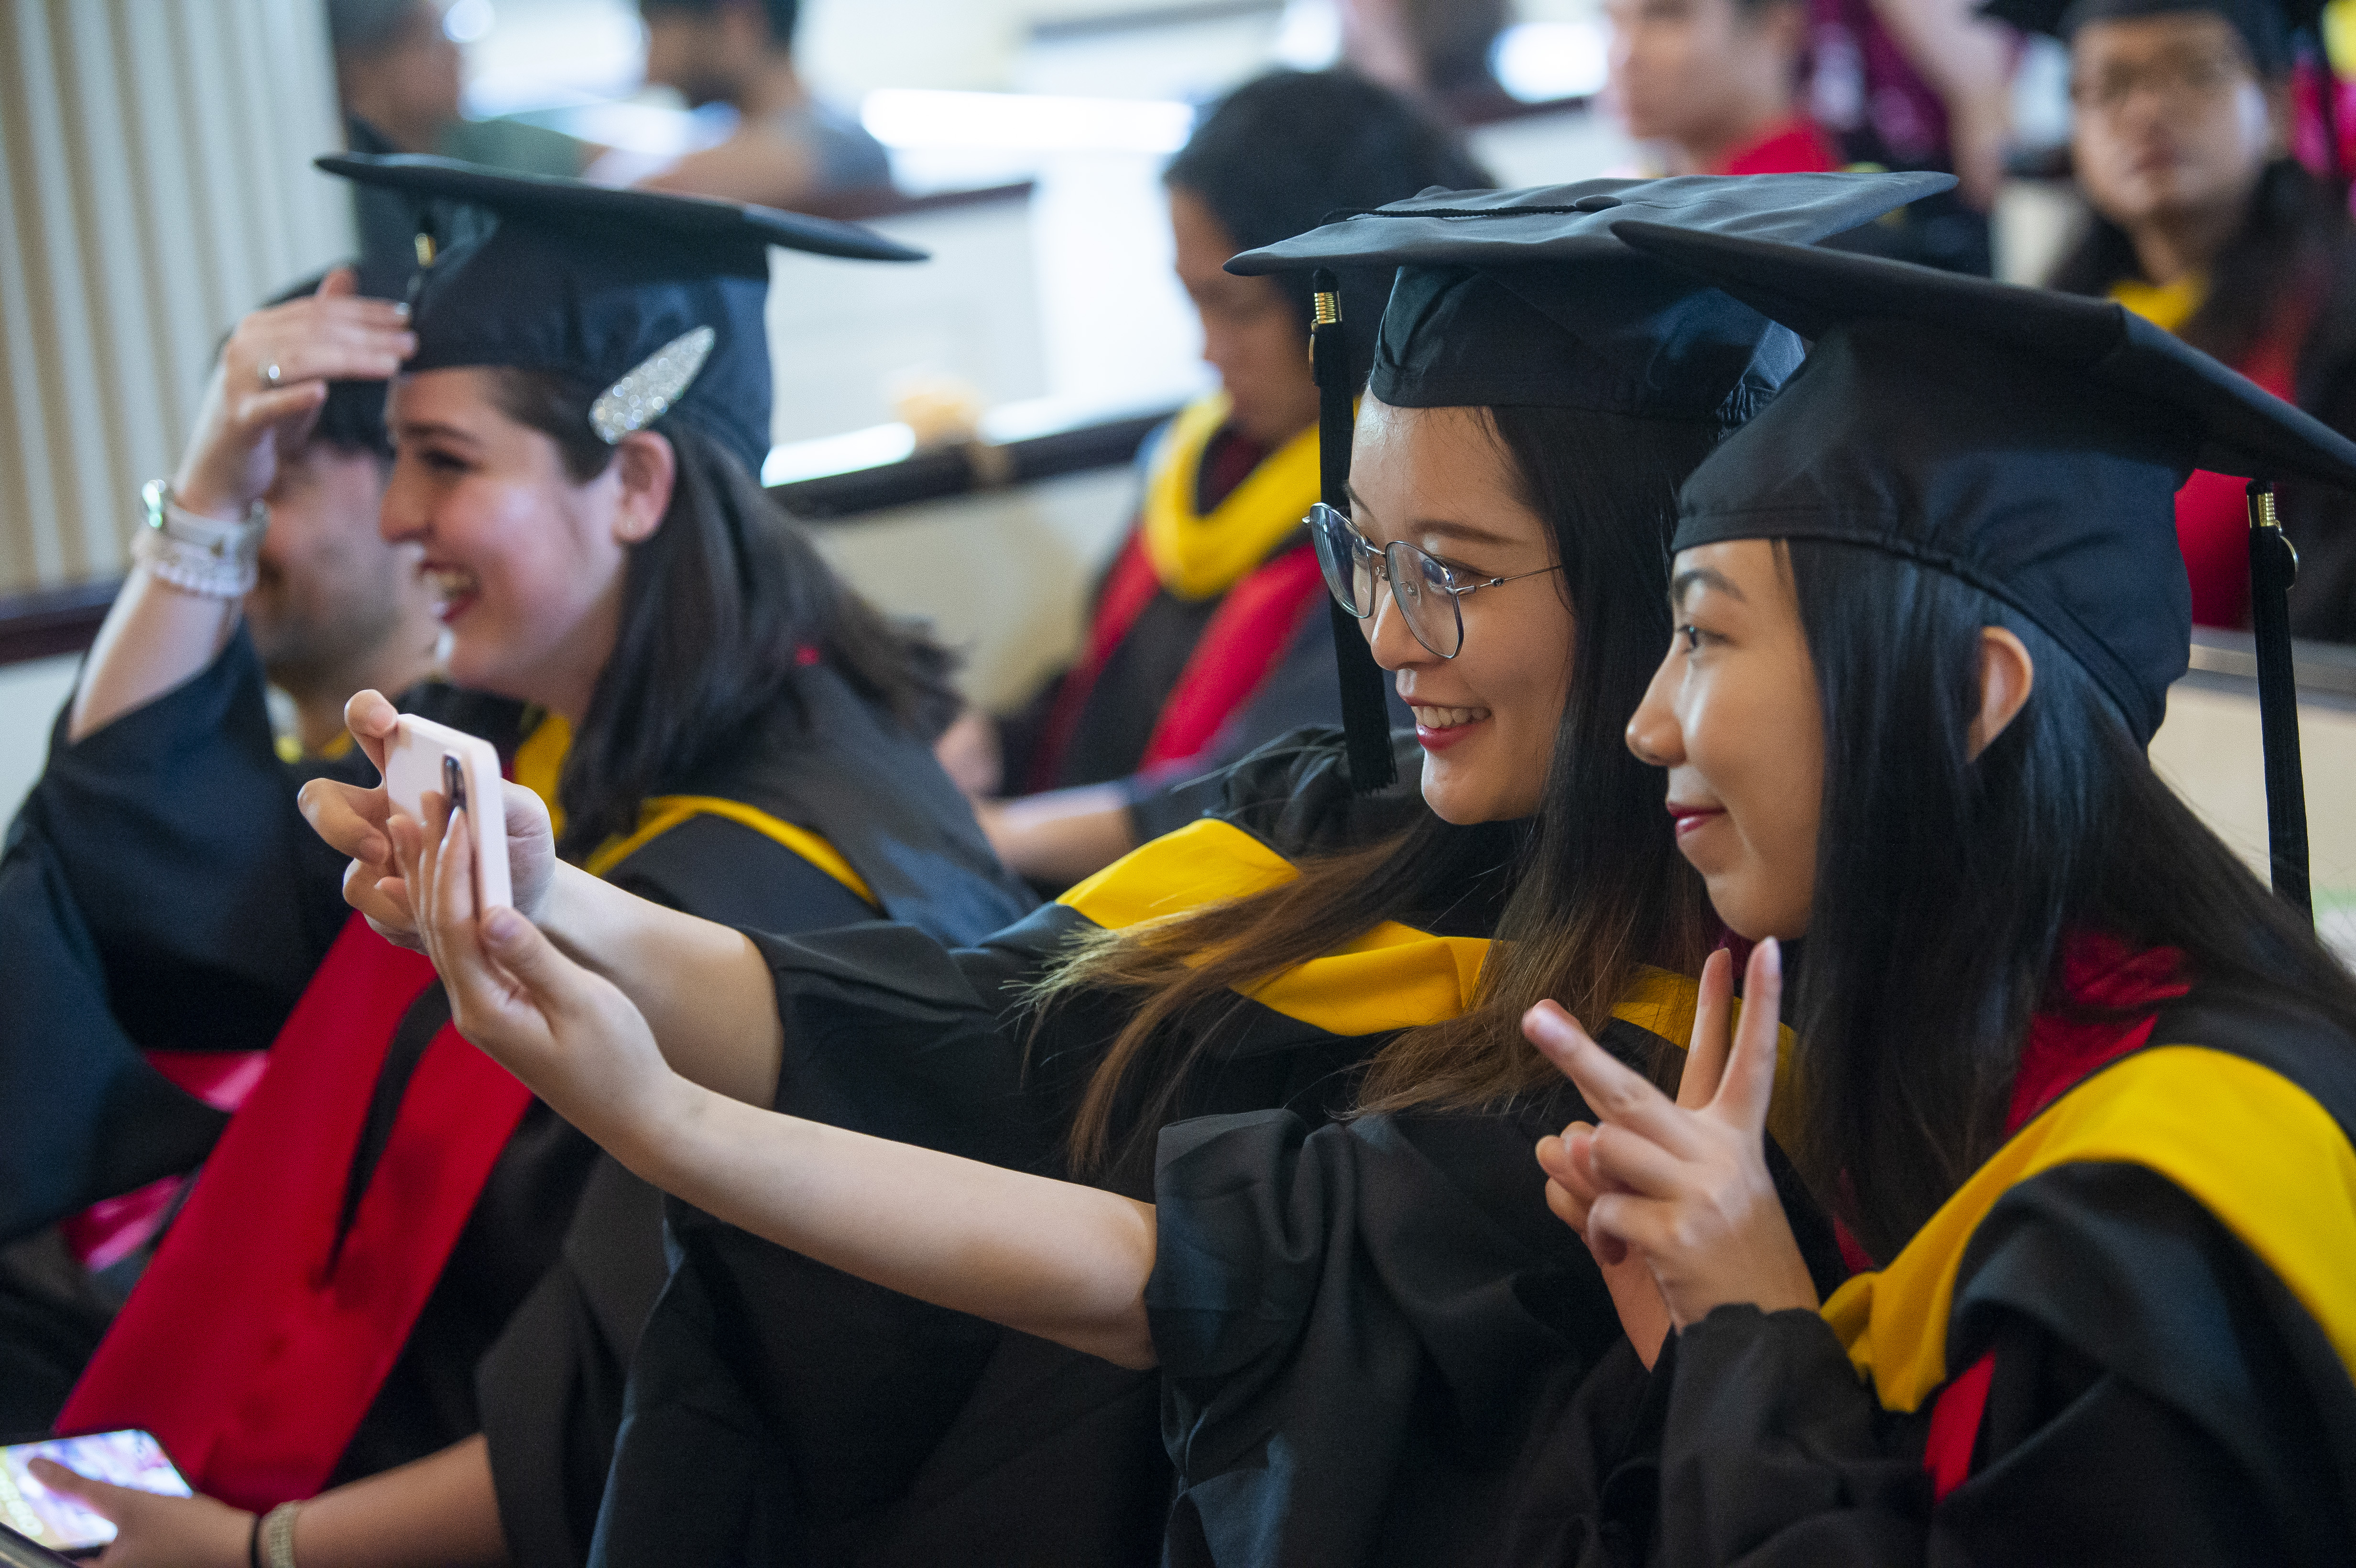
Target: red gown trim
256	1393
2061	1051
1249	633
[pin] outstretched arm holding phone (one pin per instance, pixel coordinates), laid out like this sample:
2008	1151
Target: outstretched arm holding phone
1054	1258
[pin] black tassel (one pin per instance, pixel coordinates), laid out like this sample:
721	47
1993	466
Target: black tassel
1365	714
2274	567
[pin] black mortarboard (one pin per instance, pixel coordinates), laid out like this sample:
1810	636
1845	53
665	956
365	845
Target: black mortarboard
2029	442
2266	27
1526	298
656	300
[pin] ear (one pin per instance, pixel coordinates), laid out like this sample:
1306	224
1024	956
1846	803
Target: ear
2007	676
647	466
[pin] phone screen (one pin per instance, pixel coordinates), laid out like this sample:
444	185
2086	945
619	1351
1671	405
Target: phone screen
127	1459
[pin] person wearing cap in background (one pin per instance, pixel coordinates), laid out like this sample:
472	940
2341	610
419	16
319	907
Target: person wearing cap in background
789	147
334	608
2205	224
394	1259
1297	999
2080	1088
1205	641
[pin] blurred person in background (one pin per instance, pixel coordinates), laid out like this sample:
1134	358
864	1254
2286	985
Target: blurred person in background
1742	87
1714	85
398	78
1207	636
2206	225
334	609
789	147
1433	49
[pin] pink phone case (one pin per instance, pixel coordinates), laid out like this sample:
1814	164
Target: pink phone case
414	765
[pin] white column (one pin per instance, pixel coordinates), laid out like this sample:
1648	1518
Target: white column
155	185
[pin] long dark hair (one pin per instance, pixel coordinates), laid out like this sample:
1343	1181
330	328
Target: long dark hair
2279	260
719	605
1946	884
1597	886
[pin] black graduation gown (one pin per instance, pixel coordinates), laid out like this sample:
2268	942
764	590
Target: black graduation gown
2160	1270
178	824
1373	1335
781	1411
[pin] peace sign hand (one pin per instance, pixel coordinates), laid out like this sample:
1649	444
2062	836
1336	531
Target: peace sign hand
1682	1186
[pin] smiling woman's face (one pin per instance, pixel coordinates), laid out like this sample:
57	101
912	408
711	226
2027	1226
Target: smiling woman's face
528	563
1438	479
1733	715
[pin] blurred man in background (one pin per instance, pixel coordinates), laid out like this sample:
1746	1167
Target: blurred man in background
397	73
1713	85
2206	225
789	147
334	609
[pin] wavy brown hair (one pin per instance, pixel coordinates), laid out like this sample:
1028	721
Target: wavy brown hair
1591	888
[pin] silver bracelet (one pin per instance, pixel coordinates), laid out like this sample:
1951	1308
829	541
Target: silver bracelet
197	554
278	1536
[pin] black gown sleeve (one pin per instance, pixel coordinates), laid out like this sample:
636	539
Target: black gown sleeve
552	1388
1369	1335
781	1411
177	835
2156	1396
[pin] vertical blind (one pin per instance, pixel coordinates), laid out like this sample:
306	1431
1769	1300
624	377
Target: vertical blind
155	185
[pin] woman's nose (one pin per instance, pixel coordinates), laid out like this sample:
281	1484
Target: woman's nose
1394	646
1654	734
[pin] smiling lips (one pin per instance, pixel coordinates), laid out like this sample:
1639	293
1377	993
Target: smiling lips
1436	729
455	589
1689	818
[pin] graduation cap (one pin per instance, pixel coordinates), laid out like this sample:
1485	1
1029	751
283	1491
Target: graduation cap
2028	443
658	300
2266	27
1526	298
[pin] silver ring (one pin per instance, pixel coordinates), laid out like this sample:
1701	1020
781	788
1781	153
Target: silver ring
269	374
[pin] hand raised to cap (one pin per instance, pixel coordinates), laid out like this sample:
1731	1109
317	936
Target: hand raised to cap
266	393
1680	1186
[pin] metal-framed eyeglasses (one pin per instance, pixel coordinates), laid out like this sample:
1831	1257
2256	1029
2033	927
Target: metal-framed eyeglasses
1430	596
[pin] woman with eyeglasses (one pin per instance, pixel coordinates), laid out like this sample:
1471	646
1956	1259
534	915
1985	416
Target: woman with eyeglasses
2207	224
1273	1057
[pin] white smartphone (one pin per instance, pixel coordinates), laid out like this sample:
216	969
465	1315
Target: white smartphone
128	1459
424	757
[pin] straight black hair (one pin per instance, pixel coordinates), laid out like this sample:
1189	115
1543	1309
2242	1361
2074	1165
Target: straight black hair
1589	890
1947	885
783	15
719	606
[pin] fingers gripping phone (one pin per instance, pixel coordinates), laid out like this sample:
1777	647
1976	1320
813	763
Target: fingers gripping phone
422	757
127	1459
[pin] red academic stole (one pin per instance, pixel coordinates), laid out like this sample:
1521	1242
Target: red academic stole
253	1344
2097	971
1248	634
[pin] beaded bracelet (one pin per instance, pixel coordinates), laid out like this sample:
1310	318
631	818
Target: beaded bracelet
197	554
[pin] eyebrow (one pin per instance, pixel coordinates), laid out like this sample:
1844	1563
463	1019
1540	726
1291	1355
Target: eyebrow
1463	532
415	430
1695	577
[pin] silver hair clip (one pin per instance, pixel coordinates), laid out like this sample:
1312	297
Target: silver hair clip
647	393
